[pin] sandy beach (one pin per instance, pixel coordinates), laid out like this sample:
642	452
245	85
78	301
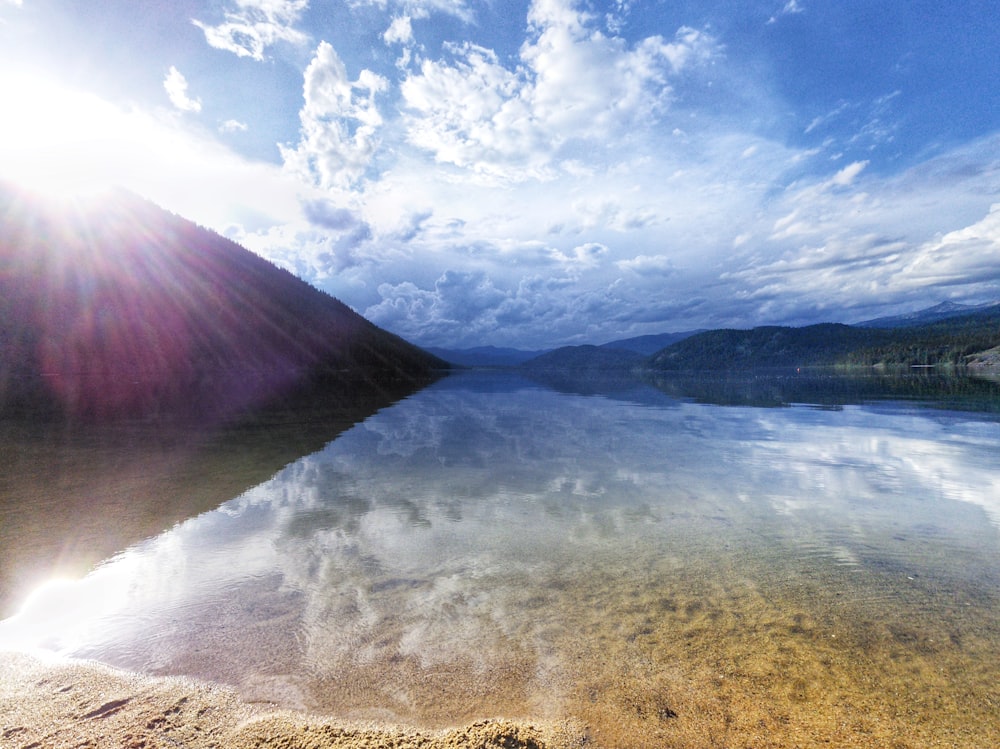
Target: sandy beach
51	704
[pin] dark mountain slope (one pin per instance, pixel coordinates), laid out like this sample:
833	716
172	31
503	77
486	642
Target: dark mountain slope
124	307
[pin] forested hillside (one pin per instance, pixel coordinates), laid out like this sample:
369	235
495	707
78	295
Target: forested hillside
967	340
124	307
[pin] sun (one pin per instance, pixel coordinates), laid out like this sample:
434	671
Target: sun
58	140
68	143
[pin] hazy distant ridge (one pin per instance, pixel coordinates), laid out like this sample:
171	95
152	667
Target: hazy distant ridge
650	344
942	311
485	356
493	356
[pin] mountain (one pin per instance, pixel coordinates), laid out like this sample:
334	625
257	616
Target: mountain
649	344
485	356
970	339
119	307
942	311
492	356
585	358
771	346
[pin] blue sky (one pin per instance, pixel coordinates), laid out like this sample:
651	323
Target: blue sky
467	172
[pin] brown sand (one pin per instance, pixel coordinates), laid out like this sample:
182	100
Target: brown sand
82	704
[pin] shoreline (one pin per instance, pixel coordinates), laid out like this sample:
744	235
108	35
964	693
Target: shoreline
52	702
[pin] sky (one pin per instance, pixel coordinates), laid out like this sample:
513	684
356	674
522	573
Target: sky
536	173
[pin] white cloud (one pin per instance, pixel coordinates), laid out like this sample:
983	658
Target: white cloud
176	87
964	257
469	307
791	7
340	123
715	263
575	88
233	126
459	304
254	25
846	176
582	257
423	8
658	265
615	18
839	245
400	31
470	114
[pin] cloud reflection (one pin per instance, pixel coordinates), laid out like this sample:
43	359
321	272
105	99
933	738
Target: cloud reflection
457	526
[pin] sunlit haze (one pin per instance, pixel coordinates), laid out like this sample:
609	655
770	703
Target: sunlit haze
539	173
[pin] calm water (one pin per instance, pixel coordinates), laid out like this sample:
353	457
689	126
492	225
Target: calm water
661	569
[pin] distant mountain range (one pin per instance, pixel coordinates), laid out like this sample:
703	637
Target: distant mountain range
485	356
947	333
594	358
650	344
492	356
963	339
123	307
942	311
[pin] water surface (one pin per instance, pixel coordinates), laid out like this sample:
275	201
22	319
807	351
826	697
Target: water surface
664	570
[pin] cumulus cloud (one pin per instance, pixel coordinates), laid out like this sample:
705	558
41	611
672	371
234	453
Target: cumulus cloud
460	306
340	122
176	86
252	26
583	257
400	31
470	307
574	88
457	299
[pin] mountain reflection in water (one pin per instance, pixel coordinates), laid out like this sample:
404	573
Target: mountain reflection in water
664	570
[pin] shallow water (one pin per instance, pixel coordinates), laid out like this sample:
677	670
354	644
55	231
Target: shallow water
666	571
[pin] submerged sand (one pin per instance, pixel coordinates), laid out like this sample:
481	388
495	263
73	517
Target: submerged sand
84	704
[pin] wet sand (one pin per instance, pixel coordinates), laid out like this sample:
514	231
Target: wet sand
83	704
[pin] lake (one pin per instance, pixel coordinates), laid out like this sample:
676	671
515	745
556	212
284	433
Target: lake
700	562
